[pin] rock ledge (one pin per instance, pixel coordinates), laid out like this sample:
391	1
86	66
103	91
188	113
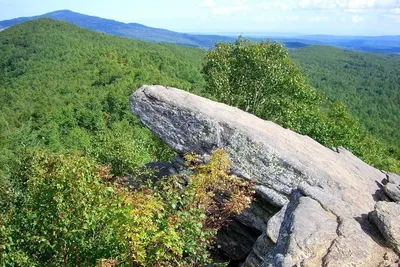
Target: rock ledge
324	196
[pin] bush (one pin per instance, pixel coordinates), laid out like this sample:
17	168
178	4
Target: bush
67	210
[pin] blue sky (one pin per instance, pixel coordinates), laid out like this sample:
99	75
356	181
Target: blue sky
340	17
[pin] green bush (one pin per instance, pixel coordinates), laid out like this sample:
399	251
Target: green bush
68	211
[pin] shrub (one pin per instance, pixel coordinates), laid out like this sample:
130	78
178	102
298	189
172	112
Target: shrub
67	210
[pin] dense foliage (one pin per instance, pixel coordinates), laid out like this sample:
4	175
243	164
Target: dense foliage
66	89
261	78
71	97
68	211
369	85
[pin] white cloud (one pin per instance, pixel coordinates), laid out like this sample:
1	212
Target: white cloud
387	3
277	5
356	10
357	19
354	6
358	4
341	3
208	3
395	10
395	17
302	4
225	9
292	18
317	19
316	4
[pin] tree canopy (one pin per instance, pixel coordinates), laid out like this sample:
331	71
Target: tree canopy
369	85
64	88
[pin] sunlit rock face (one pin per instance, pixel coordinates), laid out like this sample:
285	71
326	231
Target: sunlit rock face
312	203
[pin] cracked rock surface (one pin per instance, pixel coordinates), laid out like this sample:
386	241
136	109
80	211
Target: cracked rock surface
386	216
327	194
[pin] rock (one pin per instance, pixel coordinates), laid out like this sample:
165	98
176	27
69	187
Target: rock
303	240
390	259
271	196
274	224
386	217
153	171
261	248
330	192
237	240
392	191
161	169
393	178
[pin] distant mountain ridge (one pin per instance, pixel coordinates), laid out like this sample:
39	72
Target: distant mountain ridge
384	44
129	30
387	44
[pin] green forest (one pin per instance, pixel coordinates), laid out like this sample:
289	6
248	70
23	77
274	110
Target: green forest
68	139
369	85
65	89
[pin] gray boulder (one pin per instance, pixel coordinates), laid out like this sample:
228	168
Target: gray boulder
274	225
261	248
151	171
386	217
303	240
327	194
392	191
393	178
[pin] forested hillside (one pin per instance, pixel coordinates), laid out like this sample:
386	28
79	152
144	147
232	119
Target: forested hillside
67	138
66	88
369	85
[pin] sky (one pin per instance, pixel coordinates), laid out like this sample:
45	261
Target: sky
337	17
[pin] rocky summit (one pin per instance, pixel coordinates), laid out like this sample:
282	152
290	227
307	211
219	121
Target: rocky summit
314	206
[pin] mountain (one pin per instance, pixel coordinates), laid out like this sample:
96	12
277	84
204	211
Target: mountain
386	44
130	30
368	83
136	31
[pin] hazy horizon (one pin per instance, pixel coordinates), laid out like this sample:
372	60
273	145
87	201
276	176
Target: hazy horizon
288	17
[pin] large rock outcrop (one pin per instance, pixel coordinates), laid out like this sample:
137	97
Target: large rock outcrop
324	196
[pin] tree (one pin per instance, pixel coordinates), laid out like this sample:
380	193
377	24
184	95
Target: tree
258	78
261	79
